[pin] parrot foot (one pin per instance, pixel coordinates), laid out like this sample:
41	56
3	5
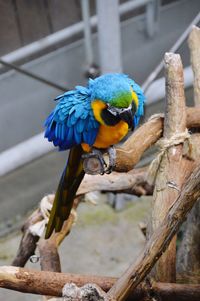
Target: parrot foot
94	162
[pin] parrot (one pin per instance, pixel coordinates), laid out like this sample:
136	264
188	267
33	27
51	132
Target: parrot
88	121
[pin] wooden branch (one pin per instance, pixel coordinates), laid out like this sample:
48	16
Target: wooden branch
188	251
46	282
192	119
160	239
40	282
117	182
175	292
188	256
169	169
28	241
49	257
48	248
132	150
145	136
188	277
194	45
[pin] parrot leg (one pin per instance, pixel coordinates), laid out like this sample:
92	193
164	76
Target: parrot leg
99	165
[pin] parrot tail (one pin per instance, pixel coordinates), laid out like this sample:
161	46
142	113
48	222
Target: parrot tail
66	191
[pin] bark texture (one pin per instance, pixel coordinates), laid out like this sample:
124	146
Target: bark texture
160	239
42	282
189	250
169	170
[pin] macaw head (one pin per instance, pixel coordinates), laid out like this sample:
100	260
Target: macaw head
113	99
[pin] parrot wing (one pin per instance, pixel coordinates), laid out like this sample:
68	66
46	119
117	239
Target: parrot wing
72	122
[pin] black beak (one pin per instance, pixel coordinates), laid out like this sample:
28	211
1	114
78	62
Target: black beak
127	116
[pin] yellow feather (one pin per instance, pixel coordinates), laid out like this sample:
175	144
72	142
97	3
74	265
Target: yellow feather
135	98
97	107
110	135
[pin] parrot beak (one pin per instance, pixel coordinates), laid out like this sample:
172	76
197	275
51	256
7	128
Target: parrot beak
127	116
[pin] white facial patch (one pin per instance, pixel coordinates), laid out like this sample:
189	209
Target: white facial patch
117	111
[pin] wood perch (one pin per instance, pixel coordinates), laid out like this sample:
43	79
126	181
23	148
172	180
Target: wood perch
194	45
28	241
43	283
188	251
169	170
130	182
160	239
48	248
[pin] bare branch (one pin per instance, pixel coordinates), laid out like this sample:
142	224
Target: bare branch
160	239
170	166
43	283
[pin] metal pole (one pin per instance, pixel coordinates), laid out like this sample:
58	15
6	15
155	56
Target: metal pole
174	48
109	36
87	31
152	17
33	76
64	34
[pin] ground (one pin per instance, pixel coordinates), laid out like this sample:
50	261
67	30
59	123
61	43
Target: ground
103	242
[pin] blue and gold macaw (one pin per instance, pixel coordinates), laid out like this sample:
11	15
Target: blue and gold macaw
88	120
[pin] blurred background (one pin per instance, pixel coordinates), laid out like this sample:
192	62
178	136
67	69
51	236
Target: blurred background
50	46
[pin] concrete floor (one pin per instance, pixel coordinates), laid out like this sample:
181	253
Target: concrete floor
22	189
102	242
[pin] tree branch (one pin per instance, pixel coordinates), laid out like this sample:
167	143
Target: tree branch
48	248
43	283
169	170
194	45
118	182
28	241
160	239
188	251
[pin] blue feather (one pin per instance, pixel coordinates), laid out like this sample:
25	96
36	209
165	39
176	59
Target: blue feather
80	125
77	136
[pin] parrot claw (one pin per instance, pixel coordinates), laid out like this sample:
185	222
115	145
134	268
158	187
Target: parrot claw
94	162
112	158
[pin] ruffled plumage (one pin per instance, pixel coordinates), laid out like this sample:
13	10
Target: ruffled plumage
71	122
